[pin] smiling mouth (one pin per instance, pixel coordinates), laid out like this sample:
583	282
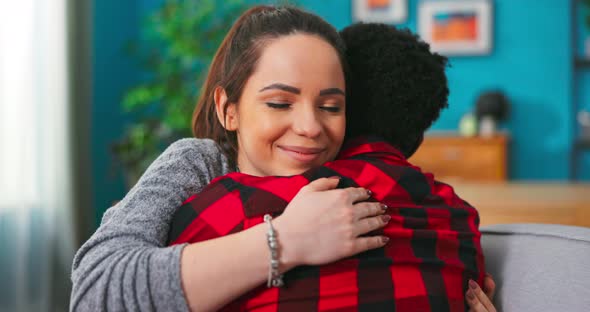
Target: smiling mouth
303	154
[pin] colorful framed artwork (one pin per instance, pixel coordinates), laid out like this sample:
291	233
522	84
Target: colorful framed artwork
461	27
380	11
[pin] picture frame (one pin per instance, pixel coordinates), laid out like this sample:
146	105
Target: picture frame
460	27
380	11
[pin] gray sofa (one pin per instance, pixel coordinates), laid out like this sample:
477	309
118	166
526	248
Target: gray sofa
539	267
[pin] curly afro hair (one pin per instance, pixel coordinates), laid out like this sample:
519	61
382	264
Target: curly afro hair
396	87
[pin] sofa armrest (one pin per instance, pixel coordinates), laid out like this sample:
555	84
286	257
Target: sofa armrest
538	267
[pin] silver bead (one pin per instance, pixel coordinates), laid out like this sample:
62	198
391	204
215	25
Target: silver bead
277	282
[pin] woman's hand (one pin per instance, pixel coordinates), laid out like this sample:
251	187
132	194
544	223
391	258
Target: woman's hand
479	301
323	224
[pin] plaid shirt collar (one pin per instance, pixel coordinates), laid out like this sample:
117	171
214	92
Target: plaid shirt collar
364	145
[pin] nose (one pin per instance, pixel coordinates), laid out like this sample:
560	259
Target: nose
306	121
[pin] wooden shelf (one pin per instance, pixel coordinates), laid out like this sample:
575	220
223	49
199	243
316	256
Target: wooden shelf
450	156
529	202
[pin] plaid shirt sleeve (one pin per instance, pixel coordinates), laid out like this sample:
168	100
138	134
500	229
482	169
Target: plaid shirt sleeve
434	246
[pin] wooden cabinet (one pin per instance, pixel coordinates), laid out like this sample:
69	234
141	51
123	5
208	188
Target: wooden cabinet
528	202
452	157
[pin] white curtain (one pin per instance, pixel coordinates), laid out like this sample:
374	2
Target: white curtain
36	227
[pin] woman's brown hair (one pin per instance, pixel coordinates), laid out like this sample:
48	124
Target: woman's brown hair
236	59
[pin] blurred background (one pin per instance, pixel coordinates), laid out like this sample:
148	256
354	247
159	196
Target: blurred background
92	91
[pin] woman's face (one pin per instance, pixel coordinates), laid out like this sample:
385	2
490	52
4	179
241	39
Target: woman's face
291	115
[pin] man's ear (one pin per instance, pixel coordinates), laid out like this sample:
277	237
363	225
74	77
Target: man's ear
229	118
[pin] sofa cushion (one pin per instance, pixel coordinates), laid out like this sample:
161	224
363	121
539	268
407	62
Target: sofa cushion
539	267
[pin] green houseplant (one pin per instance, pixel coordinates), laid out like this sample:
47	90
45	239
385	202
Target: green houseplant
179	40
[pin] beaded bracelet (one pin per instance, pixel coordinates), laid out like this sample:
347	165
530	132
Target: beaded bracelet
275	279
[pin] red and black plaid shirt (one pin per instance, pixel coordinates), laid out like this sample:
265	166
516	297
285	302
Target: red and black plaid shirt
434	245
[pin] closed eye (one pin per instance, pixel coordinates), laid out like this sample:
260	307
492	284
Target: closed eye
331	109
278	105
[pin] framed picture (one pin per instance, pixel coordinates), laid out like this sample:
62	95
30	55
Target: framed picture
380	11
461	27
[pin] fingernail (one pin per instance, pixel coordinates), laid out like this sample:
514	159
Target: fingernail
470	295
369	192
384	239
385	218
384	207
335	177
472	284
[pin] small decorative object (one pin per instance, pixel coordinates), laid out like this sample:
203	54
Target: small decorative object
491	107
462	27
487	126
468	125
380	11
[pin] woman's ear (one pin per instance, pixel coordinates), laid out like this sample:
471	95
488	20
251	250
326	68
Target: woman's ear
229	118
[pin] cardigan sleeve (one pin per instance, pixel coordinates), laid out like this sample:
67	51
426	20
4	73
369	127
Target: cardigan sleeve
125	264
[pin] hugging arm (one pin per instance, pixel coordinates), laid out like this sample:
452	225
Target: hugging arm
124	265
239	262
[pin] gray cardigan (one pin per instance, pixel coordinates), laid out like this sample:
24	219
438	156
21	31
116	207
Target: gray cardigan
124	266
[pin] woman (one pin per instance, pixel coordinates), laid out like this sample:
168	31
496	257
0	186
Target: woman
122	264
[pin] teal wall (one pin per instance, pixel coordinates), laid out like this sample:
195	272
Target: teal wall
114	24
531	62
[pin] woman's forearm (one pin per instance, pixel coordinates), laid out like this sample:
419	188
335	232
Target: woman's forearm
318	226
217	271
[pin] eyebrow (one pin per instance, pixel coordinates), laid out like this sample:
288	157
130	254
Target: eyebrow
291	89
283	87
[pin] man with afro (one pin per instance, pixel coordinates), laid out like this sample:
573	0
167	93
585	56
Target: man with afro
396	89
